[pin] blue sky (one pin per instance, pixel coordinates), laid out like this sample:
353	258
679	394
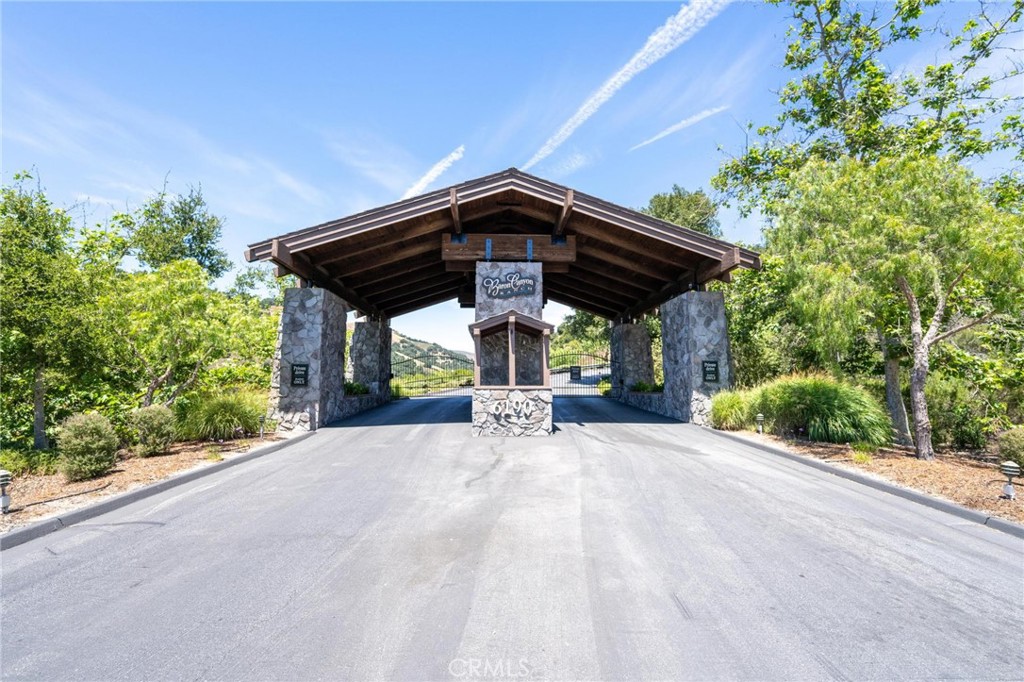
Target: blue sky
292	114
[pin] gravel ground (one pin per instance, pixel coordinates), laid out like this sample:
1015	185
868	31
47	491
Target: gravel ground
954	476
34	497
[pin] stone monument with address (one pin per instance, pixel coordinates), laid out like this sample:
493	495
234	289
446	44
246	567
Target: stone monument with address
513	385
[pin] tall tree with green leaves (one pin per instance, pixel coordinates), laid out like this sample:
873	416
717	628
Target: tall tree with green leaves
850	98
42	295
919	235
694	210
172	228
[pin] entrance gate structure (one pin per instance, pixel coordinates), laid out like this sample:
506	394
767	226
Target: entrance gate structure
579	250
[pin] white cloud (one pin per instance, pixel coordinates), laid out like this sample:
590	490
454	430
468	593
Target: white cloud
373	157
685	123
569	165
435	172
673	33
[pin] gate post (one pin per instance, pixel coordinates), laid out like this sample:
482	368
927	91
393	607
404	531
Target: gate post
371	355
695	352
307	382
631	357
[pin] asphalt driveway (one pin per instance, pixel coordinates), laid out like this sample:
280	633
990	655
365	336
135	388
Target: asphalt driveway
395	546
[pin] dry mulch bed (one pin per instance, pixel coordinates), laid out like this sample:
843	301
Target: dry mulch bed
35	497
966	478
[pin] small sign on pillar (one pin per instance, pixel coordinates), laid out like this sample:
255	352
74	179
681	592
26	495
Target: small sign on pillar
710	368
300	375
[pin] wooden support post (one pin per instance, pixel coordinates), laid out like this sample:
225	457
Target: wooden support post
455	211
512	350
563	217
545	356
476	360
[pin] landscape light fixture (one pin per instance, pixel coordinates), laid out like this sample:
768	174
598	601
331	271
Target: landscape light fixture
263	421
1010	470
5	499
760	422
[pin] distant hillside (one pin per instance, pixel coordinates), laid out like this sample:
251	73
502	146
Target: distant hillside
413	356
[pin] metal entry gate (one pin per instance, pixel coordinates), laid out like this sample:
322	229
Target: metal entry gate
435	374
580	374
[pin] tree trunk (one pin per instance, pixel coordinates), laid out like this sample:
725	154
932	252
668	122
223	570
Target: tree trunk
894	395
922	425
40	441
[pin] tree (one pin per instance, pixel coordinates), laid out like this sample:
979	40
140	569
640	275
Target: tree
688	209
850	101
917	233
42	296
173	228
171	325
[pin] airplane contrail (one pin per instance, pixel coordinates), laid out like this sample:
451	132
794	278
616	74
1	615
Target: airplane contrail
673	33
685	123
435	172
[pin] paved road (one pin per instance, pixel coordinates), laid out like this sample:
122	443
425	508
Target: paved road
623	547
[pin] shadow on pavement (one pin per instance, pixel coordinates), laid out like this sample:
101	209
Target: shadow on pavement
457	410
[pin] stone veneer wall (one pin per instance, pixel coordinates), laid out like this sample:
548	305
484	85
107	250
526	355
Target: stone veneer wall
512	412
652	402
494	359
529	360
631	357
694	329
312	331
371	355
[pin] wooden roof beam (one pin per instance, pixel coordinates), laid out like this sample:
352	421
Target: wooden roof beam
456	221
384	256
398	298
581	304
659	272
299	264
719	269
564	216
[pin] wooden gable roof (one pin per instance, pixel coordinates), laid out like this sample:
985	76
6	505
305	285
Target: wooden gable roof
389	260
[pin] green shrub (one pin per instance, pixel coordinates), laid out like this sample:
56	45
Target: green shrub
21	462
604	386
644	387
222	416
1011	445
822	409
730	410
154	429
955	413
355	388
864	448
87	445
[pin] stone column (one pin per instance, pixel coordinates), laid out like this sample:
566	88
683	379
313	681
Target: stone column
695	345
631	357
371	355
312	333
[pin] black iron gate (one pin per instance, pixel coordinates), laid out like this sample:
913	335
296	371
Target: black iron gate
580	374
434	374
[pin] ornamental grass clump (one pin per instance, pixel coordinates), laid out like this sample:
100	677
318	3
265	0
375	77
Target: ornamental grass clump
730	411
87	445
223	416
154	429
822	409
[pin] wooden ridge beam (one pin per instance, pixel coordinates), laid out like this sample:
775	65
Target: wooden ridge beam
470	266
508	247
565	214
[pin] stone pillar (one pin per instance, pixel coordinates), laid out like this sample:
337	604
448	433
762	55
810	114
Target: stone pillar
371	355
695	347
631	357
312	333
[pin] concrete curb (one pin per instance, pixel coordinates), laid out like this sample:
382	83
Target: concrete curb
982	518
37	530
